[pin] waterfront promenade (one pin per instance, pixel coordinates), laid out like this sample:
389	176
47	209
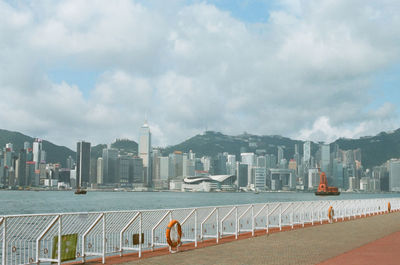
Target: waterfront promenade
360	241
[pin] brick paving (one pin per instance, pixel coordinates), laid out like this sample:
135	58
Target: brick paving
382	251
310	245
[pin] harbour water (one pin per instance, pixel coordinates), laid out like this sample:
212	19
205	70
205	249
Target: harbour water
29	202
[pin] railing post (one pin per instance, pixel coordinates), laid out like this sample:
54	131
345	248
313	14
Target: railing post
280	217
4	247
59	239
140	235
217	224
267	218
195	227
292	217
236	225
104	239
252	220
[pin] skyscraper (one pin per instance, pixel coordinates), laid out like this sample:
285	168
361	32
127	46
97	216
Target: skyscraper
307	153
37	152
280	154
145	152
325	159
110	157
82	163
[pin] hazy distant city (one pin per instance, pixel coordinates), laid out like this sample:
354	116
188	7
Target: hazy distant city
149	170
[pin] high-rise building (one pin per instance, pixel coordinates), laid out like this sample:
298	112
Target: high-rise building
20	171
231	165
307	152
176	165
100	170
260	178
325	159
250	160
37	152
164	167
242	171
124	162
110	157
280	154
145	152
82	163
136	169
394	175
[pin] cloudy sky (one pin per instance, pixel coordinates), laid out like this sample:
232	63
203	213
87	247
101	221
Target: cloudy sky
94	70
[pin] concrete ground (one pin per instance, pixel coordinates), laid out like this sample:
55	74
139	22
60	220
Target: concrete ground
310	245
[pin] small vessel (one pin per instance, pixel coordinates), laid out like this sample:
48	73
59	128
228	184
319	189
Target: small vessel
80	191
324	189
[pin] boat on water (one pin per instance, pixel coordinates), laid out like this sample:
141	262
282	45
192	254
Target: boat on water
80	191
324	189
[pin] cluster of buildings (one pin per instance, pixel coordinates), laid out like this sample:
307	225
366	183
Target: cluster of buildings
149	169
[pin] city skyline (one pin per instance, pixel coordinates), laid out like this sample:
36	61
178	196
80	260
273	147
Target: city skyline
307	70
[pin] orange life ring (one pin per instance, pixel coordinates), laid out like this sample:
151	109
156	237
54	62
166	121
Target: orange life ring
168	233
331	212
389	207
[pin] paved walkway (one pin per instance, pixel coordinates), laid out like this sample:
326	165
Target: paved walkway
382	251
310	245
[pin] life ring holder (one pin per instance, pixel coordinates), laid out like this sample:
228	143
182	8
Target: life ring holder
331	213
389	207
173	244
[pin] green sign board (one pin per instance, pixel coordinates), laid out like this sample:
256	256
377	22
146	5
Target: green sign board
68	247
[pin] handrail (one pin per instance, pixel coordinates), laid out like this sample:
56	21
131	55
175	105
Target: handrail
121	234
18	231
155	227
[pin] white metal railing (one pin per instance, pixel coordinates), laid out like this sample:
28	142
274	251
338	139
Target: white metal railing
29	239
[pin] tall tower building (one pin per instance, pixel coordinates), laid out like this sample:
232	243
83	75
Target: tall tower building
145	152
82	163
280	154
325	159
37	150
307	152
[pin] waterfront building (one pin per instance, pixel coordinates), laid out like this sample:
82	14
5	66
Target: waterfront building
145	152
280	153
99	171
70	162
337	173
38	153
156	164
313	178
325	159
110	156
123	170
271	161
206	161
136	169
231	165
164	167
20	168
219	164
27	145
307	153
260	178
292	165
249	159
82	163
176	165
209	183
394	175
242	174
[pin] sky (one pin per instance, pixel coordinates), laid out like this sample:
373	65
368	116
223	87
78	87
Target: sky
96	70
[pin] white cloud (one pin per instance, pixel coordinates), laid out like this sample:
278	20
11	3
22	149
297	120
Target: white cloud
305	73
